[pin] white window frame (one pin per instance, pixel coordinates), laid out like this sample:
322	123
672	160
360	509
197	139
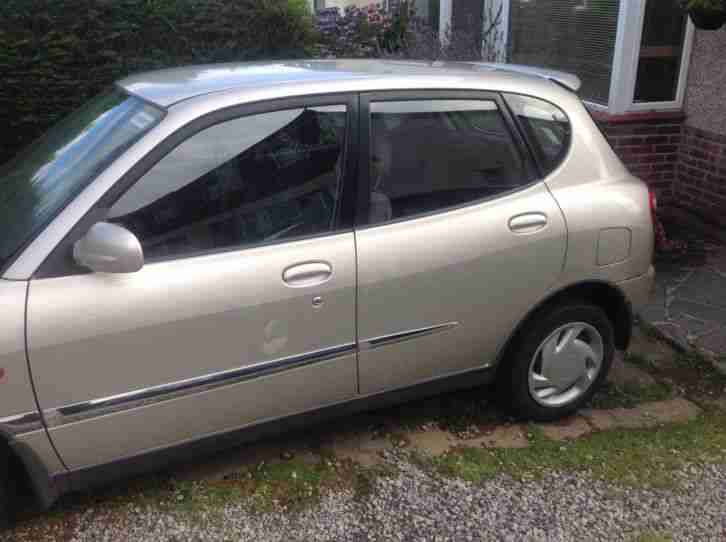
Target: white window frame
627	56
625	61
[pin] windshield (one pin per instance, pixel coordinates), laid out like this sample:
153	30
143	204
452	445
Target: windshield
42	180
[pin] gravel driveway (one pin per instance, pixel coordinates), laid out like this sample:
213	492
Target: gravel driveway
415	505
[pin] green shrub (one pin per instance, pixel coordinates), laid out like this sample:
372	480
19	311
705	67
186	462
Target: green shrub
55	54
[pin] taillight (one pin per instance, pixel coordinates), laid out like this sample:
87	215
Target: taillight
653	202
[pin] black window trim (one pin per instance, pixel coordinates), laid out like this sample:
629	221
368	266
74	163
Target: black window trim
526	137
531	171
60	262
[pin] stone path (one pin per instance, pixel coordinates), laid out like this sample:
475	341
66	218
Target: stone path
689	302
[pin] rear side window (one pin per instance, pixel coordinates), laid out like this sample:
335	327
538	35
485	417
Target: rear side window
428	155
546	126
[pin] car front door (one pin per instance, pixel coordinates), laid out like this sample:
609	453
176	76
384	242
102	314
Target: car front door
456	240
244	310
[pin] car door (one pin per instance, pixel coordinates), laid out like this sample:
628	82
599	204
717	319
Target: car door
456	239
244	310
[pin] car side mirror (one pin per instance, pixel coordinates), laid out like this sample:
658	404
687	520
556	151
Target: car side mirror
109	248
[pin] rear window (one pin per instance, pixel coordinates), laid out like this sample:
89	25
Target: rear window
546	126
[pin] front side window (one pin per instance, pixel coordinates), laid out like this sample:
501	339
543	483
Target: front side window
546	126
432	154
247	181
42	180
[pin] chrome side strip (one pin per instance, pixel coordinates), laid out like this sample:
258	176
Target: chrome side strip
384	340
22	423
84	410
165	392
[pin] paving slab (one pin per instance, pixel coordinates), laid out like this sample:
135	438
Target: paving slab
699	313
363	447
674	332
714	342
504	436
631	418
571	428
600	420
704	286
434	442
678	410
655	351
625	376
688	303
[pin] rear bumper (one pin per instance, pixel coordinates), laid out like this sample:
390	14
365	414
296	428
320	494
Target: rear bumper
638	290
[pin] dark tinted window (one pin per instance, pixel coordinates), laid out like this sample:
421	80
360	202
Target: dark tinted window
430	155
247	181
547	128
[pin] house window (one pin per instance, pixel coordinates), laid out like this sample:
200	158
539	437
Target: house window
661	48
568	35
631	55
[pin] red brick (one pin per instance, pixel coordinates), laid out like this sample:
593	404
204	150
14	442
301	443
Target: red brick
660	139
625	141
636	149
652	158
666	148
669	130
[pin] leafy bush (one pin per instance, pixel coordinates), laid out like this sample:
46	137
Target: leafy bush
401	33
55	54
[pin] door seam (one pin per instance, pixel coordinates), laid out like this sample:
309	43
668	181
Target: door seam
32	380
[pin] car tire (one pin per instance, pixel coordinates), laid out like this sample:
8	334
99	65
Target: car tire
540	379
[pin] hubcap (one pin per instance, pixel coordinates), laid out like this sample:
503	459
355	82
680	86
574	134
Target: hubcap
566	364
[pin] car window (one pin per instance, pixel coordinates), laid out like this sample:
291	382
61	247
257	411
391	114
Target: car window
257	179
428	155
546	126
42	180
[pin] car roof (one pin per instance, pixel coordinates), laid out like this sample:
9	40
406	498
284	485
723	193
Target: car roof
168	87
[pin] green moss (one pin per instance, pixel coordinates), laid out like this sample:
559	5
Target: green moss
645	458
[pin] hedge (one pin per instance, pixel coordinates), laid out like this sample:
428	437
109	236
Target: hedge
55	54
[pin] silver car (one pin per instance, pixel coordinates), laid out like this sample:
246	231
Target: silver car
204	255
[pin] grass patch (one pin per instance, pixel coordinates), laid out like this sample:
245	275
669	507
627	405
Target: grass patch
290	485
628	396
640	458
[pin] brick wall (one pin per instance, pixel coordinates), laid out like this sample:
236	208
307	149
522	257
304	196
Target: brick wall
701	185
648	144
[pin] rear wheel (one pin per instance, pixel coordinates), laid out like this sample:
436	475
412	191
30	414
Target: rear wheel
560	360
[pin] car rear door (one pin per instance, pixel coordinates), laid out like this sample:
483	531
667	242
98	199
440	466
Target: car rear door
244	310
456	238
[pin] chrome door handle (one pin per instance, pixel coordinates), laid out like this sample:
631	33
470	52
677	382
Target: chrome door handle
528	222
302	275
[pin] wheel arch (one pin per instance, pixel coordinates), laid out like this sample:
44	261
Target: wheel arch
603	294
